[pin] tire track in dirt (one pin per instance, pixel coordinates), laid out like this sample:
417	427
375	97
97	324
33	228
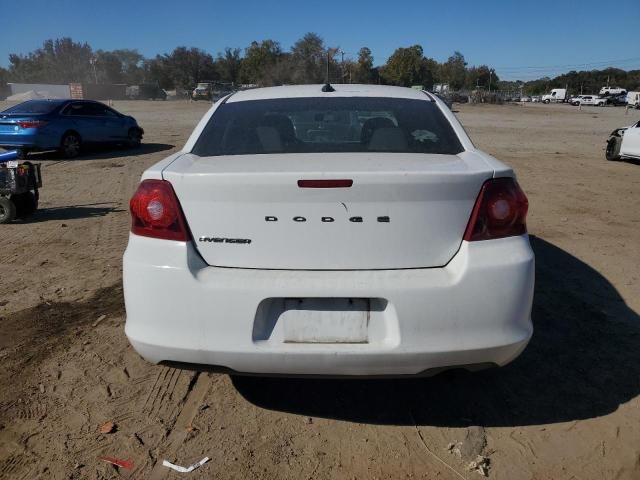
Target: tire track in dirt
14	465
199	386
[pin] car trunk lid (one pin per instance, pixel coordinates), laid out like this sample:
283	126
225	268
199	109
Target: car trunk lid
400	210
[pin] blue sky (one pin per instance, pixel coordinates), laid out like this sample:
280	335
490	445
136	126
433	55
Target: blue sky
521	41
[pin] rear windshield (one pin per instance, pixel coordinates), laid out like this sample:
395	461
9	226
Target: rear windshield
318	125
33	106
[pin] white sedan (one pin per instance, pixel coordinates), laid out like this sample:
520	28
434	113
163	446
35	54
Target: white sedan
624	143
348	230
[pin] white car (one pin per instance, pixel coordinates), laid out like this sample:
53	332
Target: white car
592	100
624	143
315	230
612	91
575	100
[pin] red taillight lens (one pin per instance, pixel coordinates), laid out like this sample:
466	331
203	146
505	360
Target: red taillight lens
156	212
31	123
500	211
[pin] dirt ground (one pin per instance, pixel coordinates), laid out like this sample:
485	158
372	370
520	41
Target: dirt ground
568	408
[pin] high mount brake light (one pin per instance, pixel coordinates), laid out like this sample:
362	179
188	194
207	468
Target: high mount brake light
156	212
326	183
500	211
31	123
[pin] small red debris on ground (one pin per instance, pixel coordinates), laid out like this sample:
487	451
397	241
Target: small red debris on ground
126	464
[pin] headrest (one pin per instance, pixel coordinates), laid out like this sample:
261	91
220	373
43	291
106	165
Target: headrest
372	124
388	140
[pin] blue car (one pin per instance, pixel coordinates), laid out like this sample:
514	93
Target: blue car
65	126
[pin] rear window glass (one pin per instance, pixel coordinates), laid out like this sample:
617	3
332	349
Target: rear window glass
33	106
318	125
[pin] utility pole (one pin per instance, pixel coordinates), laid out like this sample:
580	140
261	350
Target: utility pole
342	65
490	75
92	61
327	75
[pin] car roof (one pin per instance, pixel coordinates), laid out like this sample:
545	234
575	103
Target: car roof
53	101
341	90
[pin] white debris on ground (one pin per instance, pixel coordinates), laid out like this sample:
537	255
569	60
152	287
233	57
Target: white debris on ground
471	450
188	469
454	448
480	465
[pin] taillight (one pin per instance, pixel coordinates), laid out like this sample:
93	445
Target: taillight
156	212
31	123
500	211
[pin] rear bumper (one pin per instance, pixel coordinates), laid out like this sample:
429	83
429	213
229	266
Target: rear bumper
476	310
28	141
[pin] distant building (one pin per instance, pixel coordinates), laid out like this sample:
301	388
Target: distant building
30	91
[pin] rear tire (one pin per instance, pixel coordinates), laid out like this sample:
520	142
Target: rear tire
612	152
7	210
70	145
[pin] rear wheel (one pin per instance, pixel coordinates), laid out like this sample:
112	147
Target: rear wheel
134	138
612	151
7	210
70	145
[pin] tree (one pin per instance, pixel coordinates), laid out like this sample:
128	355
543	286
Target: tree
266	63
309	58
182	68
185	67
364	72
453	71
405	67
108	67
4	77
259	62
481	76
229	65
348	71
281	71
58	61
429	72
158	70
132	65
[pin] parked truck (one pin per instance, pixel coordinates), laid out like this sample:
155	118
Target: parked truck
146	91
557	95
202	91
212	90
633	99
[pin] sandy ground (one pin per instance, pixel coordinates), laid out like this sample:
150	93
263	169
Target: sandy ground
568	408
